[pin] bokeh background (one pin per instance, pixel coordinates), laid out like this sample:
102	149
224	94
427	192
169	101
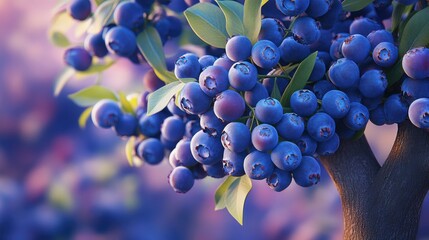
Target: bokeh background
58	181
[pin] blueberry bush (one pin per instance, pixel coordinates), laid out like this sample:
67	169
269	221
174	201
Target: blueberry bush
280	89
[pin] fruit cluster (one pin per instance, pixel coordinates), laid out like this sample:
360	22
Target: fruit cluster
233	120
118	36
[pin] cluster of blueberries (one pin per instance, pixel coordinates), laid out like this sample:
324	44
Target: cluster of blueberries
230	121
119	37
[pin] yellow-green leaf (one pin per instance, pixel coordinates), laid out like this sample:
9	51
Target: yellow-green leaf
62	80
252	19
91	95
84	117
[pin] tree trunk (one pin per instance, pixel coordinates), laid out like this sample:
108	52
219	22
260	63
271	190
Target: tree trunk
382	202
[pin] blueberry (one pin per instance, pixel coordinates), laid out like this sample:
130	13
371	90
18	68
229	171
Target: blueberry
254	95
358	116
306	144
364	26
356	48
281	83
385	54
175	28
151	82
198	171
172	159
373	83
416	63
264	137
168	145
174	109
120	41
150	125
292	51
308	172
303	102
206	149
395	109
320	88
243	76
181	179
354	95
318	8
215	170
211	124
187	66
162	26
224	62
335	50
273	30
377	116
236	137
329	147
344	73
372	103
292	7
183	154
258	165
193	100
265	54
413	89
229	106
126	125
379	36
269	110
105	113
79	9
94	44
192	127
129	14
407	2
279	180
146	4
419	113
305	30
233	163
173	128
151	151
206	61
318	71
78	58
286	156
336	103
291	126
213	80
323	44
328	20
321	127
238	48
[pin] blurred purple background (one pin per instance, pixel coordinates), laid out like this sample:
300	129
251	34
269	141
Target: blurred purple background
57	180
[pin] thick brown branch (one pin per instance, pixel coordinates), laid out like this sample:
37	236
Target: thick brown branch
353	169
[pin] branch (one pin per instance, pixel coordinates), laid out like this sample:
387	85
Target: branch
353	168
402	183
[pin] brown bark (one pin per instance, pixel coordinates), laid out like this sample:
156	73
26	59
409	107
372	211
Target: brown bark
382	202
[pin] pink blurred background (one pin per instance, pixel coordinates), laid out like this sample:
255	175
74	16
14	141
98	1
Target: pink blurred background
59	180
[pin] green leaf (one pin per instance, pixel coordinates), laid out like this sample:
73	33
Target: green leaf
159	99
299	79
189	37
98	2
150	45
129	150
91	95
125	104
84	117
394	73
221	191
398	11
233	12
208	22
416	32
355	5
263	2
62	80
186	80
252	19
103	16
97	68
59	39
276	91
232	194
